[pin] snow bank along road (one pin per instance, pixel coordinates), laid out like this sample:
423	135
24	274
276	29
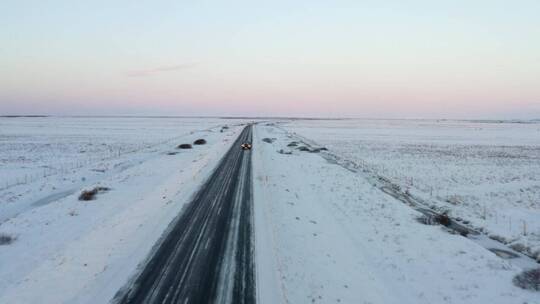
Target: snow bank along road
206	257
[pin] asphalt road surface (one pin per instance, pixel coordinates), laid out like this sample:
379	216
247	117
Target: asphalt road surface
207	255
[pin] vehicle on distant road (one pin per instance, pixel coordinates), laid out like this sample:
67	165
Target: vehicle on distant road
246	146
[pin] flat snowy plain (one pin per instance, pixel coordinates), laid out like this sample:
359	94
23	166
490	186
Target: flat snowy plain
486	173
71	251
323	234
336	238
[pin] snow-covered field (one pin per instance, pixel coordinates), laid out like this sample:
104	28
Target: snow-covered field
71	251
487	173
32	147
327	235
323	234
57	156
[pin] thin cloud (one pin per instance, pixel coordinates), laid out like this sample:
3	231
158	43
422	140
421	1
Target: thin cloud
159	70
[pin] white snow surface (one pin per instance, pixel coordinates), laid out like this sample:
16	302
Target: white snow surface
323	234
34	147
326	235
485	172
71	251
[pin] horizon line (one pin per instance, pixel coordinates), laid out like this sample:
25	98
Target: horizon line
268	117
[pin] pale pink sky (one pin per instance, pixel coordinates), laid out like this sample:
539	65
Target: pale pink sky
464	59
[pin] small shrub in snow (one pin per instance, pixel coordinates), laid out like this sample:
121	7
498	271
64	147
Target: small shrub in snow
317	150
184	146
519	247
281	151
6	239
438	219
88	195
199	141
443	219
268	140
529	279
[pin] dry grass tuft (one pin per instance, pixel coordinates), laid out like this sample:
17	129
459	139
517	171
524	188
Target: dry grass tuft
529	279
6	239
88	195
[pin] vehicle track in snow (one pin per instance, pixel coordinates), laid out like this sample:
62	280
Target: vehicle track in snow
207	255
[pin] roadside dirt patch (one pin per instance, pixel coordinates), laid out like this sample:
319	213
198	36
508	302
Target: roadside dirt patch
88	195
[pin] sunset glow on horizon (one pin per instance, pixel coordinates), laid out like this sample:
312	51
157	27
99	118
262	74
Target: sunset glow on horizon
419	59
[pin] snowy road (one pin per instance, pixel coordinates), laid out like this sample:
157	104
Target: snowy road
207	255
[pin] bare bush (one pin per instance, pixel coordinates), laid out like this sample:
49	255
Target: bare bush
529	279
6	239
268	140
293	144
435	219
184	146
88	195
443	219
